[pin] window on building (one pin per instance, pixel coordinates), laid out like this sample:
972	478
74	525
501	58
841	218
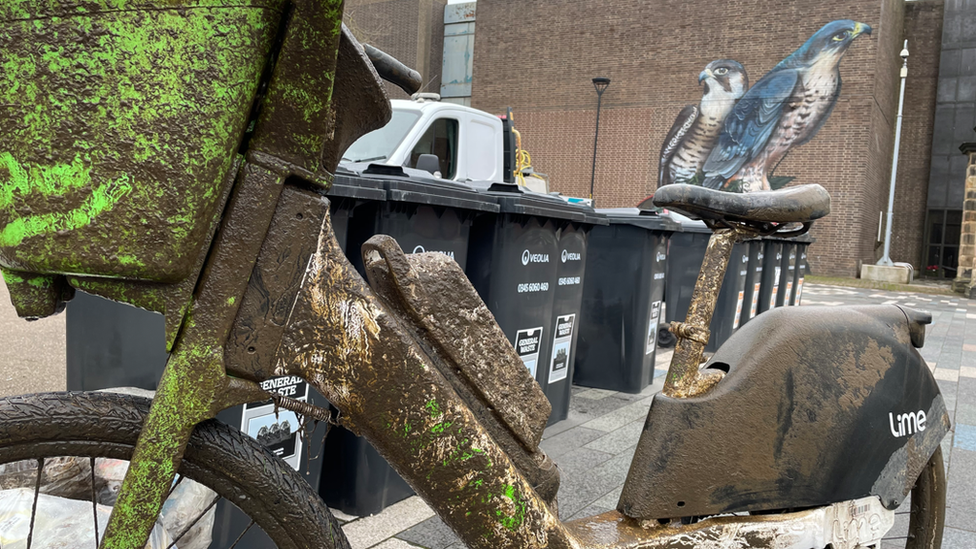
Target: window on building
943	231
440	139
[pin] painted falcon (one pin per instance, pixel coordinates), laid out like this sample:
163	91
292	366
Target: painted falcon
696	128
784	109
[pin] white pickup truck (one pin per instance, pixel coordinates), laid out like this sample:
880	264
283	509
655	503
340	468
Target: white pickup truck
469	145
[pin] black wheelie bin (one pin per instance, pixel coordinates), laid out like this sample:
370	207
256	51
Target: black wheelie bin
686	250
731	300
566	309
753	286
514	264
626	263
771	275
787	273
423	214
802	243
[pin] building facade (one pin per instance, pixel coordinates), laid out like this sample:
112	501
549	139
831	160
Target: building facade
539	56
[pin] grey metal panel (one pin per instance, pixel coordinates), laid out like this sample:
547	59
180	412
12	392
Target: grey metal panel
938	181
458	64
459	29
457	13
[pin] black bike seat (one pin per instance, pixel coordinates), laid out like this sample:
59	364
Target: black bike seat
800	204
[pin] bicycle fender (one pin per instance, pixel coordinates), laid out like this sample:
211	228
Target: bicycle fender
818	405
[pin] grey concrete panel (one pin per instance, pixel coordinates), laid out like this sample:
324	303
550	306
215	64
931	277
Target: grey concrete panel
942	141
947	89
938	181
966	90
957	181
949	63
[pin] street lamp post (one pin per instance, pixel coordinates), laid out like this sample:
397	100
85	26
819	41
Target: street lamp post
600	83
885	260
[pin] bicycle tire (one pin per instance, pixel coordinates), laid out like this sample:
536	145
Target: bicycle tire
927	506
106	425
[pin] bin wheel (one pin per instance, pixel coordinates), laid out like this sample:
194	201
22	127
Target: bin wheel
665	339
280	506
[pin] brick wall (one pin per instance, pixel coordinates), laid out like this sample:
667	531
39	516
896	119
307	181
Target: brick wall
923	29
410	30
653	52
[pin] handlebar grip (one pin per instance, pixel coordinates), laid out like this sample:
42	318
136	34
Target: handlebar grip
394	71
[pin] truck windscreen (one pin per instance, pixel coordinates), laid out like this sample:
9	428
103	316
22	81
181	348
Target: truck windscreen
379	144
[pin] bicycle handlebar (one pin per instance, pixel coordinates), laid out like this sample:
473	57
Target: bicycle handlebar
394	71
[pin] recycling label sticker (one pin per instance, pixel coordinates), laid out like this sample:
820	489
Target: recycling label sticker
738	310
278	432
652	328
776	273
799	290
561	344
786	296
527	345
755	299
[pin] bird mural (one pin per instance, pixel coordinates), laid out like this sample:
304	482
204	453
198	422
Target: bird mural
784	109
696	128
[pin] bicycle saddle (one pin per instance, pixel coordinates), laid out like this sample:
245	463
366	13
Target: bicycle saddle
800	204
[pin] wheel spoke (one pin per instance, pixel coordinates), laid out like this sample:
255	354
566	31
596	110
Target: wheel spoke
94	496
240	537
195	521
179	479
37	493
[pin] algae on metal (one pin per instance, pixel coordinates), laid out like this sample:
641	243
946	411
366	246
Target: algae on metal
119	126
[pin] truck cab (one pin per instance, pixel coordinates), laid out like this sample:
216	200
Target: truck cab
468	143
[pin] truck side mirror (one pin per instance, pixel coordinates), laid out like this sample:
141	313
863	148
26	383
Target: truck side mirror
428	163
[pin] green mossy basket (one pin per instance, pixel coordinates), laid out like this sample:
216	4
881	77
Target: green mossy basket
119	122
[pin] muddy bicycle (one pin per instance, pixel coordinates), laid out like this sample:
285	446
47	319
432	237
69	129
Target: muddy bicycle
174	155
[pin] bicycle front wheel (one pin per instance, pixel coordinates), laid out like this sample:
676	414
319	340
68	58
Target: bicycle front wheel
279	505
920	520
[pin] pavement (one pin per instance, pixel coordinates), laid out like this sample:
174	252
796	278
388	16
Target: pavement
32	358
594	445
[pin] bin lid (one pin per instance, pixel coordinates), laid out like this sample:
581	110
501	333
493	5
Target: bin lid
591	215
350	185
802	239
514	199
645	219
409	185
687	224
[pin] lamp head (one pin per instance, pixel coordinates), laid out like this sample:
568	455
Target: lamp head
601	83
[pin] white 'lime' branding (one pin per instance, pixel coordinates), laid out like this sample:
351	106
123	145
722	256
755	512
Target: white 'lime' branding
903	425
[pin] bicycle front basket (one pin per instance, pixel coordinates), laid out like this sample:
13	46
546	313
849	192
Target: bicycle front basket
119	120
